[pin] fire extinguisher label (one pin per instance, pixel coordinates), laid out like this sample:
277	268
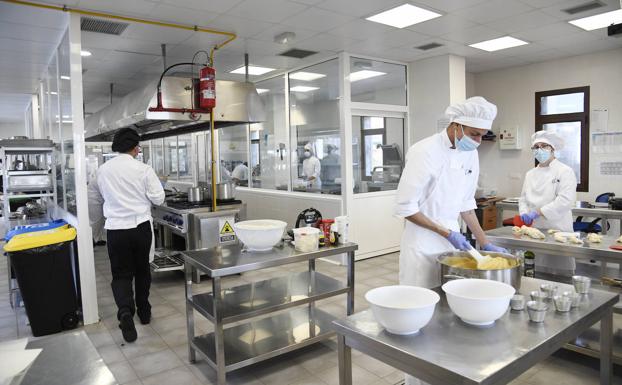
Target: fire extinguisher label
209	94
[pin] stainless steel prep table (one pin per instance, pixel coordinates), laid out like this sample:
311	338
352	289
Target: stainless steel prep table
596	212
448	351
66	359
252	341
503	236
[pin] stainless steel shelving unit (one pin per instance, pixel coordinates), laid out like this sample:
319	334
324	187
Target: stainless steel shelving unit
262	330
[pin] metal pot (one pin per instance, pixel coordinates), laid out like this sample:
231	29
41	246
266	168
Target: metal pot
511	276
225	191
196	194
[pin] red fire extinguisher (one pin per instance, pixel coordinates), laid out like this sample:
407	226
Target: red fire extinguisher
207	87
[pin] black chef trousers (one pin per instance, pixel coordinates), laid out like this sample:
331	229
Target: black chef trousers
128	251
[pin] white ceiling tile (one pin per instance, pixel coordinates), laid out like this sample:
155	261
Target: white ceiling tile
359	8
317	20
523	22
31	33
270	33
570	42
408	55
100	40
542	3
127	59
41	57
442	25
241	26
181	15
119	7
493	10
448	5
556	10
473	34
361	29
20	14
141	46
327	42
252	46
307	2
163	35
26	46
212	6
272	11
546	32
398	37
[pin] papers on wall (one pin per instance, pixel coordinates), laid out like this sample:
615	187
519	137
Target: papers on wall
611	168
607	142
14	358
599	120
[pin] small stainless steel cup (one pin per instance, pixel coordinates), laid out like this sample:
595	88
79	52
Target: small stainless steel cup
562	303
537	296
537	311
517	302
575	298
581	284
548	289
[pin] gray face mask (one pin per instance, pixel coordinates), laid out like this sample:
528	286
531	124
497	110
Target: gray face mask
307	154
466	143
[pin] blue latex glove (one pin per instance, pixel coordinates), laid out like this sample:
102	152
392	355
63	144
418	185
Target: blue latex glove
529	217
495	249
458	241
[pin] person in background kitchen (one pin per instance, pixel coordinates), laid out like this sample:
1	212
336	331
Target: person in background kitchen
311	168
549	193
126	188
239	175
437	186
331	164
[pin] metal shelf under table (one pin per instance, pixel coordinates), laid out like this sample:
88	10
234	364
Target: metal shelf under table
263	297
256	341
259	339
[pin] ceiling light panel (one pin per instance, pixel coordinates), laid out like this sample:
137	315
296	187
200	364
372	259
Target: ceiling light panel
306	76
404	16
498	44
603	20
252	70
303	88
262	90
365	74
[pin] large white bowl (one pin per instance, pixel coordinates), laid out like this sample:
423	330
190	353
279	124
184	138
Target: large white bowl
260	234
402	309
478	301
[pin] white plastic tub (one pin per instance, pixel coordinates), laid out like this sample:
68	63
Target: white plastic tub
306	239
402	309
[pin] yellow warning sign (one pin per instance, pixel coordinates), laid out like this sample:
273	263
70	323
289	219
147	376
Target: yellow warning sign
227	229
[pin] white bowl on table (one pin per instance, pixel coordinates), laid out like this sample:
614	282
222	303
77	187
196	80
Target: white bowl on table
478	302
260	234
402	309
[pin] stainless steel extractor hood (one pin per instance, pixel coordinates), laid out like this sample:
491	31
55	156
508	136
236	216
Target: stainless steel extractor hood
236	103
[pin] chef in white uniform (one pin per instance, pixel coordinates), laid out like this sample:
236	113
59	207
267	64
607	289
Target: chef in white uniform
549	193
311	168
437	186
127	188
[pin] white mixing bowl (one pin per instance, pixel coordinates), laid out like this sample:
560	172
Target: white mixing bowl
478	301
260	234
402	309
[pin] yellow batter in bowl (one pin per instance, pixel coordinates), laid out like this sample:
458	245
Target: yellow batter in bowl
492	263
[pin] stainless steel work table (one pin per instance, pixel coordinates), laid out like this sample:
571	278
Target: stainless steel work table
448	351
66	359
250	341
595	212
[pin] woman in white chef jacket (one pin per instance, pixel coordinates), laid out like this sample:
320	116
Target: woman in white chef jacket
311	168
549	193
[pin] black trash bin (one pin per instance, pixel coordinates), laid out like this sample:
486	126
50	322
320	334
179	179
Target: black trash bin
45	275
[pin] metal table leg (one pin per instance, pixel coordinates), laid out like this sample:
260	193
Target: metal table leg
606	336
312	290
219	337
499	216
350	304
345	361
604	225
189	312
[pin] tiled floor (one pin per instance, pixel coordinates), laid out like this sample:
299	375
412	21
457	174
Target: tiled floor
160	355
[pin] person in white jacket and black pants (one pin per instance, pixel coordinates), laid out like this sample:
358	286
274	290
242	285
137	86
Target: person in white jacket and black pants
127	188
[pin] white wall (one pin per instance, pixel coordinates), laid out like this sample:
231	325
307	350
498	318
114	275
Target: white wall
513	91
12	129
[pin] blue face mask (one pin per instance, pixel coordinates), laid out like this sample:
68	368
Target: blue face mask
542	155
466	143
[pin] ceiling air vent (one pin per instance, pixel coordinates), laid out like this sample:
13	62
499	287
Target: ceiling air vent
584	7
91	24
297	53
429	46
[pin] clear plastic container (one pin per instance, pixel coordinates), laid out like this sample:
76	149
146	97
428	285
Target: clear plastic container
306	239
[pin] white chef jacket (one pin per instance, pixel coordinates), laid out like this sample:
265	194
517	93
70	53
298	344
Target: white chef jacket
311	166
553	190
126	188
240	172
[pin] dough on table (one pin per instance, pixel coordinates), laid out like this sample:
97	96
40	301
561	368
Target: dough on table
553	231
575	240
560	238
594	238
532	232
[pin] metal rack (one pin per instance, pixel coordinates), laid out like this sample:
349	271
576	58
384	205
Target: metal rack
258	333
